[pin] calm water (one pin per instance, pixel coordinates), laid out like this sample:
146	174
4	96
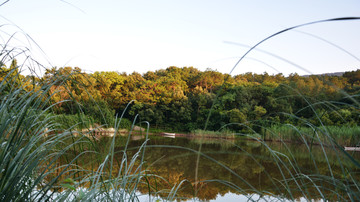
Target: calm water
233	170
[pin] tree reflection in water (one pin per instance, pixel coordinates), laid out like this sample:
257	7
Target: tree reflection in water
233	166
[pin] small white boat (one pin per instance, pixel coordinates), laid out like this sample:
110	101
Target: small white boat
352	148
171	135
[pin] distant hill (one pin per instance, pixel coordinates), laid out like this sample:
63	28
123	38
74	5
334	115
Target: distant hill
327	74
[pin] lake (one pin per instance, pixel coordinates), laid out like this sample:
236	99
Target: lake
234	170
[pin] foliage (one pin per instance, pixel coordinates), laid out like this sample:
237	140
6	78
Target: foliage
178	97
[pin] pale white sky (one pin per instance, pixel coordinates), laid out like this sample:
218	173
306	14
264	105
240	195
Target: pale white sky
141	36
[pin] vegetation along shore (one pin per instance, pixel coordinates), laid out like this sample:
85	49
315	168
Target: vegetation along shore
179	99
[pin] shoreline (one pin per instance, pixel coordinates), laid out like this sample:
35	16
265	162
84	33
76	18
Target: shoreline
97	133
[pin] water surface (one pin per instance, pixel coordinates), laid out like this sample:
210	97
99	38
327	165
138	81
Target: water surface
215	169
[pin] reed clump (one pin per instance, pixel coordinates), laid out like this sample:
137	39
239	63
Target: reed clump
343	135
39	150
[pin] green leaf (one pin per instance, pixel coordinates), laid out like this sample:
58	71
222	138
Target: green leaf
68	186
69	181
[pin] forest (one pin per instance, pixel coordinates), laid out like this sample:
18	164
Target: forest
184	99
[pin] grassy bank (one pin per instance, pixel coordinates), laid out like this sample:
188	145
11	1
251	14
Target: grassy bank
342	135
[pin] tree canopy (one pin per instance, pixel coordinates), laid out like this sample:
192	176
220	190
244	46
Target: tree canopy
181	98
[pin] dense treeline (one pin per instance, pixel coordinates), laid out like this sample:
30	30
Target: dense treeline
181	98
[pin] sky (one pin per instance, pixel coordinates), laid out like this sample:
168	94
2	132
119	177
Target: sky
143	35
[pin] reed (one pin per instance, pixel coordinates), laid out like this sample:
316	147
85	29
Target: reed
39	152
343	135
26	159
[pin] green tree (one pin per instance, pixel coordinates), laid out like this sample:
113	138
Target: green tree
353	77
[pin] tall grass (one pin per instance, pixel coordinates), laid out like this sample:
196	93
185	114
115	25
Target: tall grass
39	152
25	158
32	144
343	135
